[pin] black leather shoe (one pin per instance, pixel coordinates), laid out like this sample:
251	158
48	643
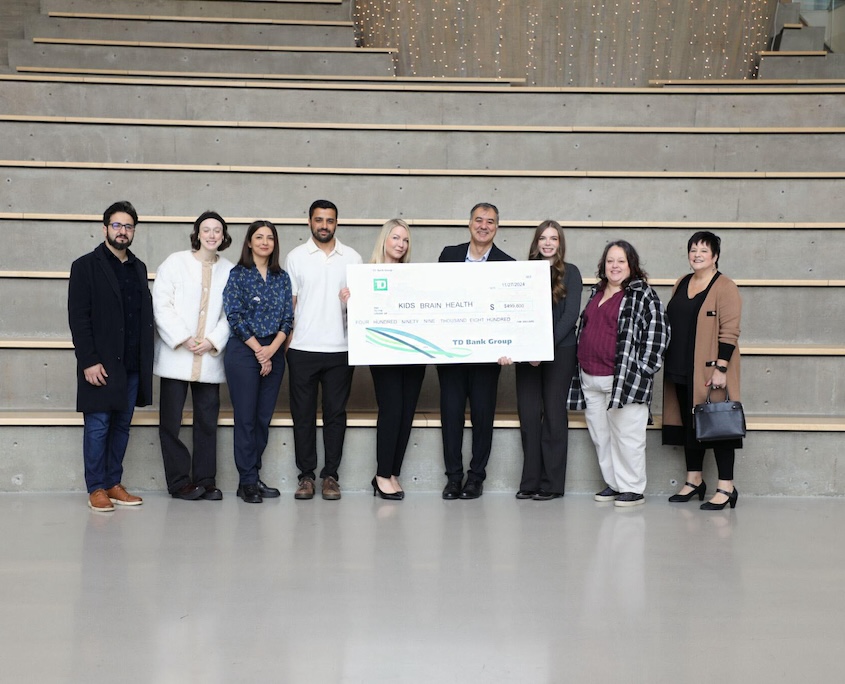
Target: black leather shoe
546	496
249	493
267	492
472	489
189	492
452	490
525	494
732	499
212	494
697	490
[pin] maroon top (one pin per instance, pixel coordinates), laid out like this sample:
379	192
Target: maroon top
597	342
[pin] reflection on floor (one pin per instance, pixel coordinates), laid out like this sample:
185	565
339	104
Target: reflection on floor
424	590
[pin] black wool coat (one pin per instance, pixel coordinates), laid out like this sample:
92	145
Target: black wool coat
95	315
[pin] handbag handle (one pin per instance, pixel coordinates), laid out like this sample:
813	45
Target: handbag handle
709	389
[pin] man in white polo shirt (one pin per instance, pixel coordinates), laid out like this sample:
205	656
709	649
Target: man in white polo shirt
318	351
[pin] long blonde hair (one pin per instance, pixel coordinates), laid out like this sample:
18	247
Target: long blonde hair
378	250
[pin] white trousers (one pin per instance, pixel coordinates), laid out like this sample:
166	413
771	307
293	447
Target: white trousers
618	434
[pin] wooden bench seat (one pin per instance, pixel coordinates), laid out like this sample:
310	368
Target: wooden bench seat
825	87
480	173
457	222
146	73
150	418
433	128
752	82
210	46
793	53
203	20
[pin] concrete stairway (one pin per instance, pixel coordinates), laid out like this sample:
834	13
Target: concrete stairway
171	29
799	50
760	166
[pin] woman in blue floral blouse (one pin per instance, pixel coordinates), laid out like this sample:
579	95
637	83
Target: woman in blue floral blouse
259	307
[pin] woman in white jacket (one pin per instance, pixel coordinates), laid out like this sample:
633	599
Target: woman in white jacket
192	334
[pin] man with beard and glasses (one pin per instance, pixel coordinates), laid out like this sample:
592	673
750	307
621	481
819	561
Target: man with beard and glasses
110	312
318	349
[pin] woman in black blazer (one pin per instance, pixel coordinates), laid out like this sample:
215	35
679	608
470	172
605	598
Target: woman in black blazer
542	386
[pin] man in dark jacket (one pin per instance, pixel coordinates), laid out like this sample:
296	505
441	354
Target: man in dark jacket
111	320
476	382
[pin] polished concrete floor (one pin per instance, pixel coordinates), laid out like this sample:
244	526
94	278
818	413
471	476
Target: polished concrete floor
364	590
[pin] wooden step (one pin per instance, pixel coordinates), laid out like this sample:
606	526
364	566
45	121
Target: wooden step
363	419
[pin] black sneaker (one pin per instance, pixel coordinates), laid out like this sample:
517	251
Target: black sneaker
629	499
525	494
606	494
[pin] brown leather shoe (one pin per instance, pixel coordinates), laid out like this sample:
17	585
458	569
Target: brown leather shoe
331	489
121	497
98	500
305	490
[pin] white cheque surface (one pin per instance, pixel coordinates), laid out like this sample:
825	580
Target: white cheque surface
449	313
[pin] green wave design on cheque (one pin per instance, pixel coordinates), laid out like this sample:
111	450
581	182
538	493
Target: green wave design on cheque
400	340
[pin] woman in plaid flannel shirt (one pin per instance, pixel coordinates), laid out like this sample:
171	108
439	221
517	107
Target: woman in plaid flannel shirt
622	337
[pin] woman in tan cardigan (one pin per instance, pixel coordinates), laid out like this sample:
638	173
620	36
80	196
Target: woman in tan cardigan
704	314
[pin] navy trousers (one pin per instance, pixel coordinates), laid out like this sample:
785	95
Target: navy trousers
254	401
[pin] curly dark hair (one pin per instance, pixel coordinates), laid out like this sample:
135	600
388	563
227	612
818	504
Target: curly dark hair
637	272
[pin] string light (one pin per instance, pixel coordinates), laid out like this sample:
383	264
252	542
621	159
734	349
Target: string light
578	42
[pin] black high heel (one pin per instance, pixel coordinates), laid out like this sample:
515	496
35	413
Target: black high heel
401	494
732	499
394	496
696	489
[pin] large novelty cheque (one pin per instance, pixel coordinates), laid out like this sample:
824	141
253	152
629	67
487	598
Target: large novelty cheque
449	313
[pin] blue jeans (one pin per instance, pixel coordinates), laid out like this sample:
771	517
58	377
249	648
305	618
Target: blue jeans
104	441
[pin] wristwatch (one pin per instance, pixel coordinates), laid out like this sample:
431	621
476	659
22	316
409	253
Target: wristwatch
724	369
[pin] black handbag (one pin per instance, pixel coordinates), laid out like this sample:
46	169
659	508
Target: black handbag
719	420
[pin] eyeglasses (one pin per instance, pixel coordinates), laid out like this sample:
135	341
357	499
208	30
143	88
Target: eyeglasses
128	227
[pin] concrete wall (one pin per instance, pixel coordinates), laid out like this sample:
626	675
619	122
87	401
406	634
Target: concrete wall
48	216
27	54
773	463
215	8
212	33
429	104
13	16
829	66
297	147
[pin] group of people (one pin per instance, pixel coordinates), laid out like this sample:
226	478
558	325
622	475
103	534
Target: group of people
242	323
